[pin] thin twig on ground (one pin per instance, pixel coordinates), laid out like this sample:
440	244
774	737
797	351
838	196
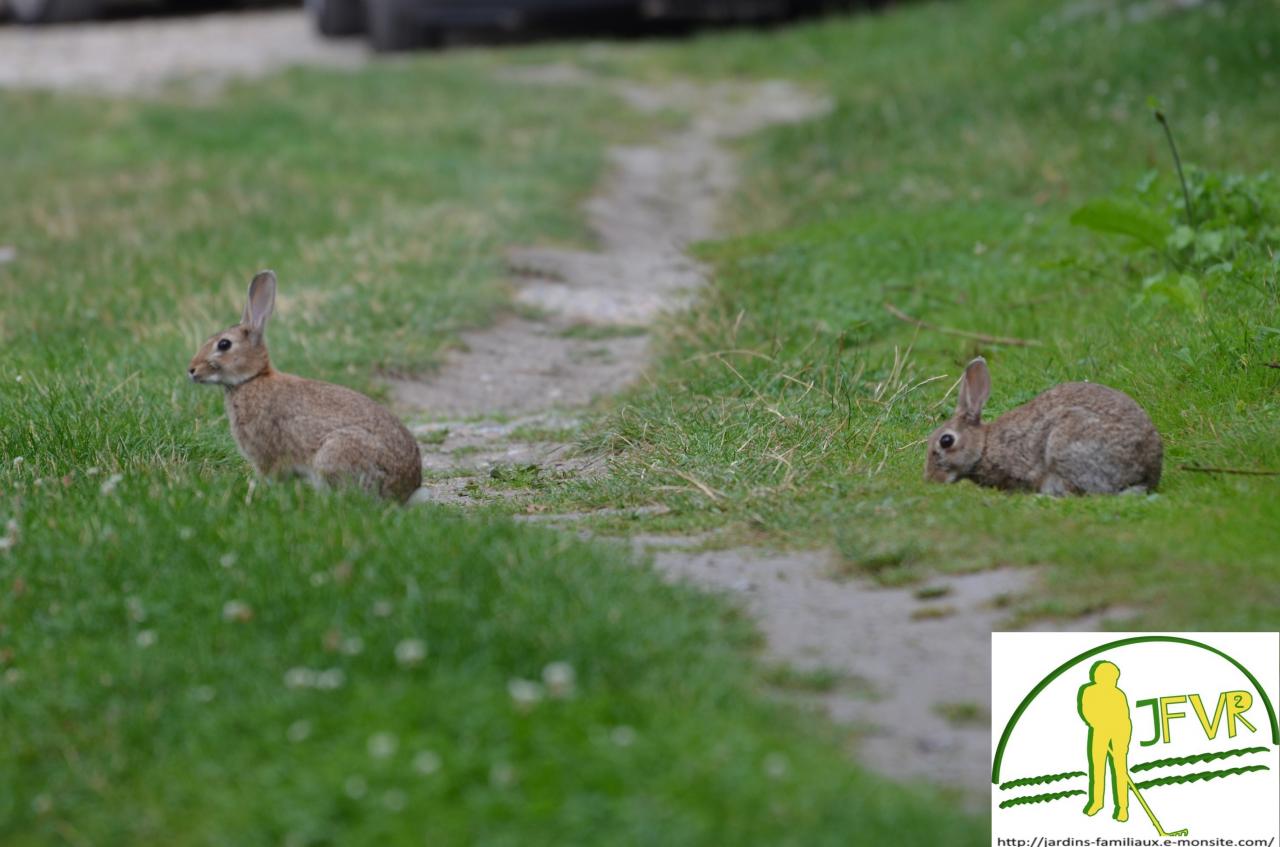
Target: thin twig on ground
976	336
1242	471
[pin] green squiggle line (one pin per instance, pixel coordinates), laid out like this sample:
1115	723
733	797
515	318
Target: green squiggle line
1200	757
1038	798
1036	780
1200	776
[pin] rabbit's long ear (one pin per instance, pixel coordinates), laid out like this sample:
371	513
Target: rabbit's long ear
262	300
975	388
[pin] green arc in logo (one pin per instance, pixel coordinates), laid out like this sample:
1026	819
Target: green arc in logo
1124	642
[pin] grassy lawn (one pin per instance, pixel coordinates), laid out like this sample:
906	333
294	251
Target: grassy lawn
188	659
963	140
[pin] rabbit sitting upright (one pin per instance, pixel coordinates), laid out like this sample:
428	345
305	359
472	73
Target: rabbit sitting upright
1075	438
286	425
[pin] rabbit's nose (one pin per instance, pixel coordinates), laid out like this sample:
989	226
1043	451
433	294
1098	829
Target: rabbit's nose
191	372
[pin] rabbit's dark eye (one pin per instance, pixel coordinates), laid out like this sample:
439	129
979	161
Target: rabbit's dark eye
224	344
947	441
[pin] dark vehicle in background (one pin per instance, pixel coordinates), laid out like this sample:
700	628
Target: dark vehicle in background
49	11
38	12
404	24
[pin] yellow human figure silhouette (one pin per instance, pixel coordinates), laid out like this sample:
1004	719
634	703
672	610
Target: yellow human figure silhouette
1105	709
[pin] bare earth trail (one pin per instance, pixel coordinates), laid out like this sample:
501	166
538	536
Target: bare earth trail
911	664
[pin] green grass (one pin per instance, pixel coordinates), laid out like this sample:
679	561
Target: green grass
140	707
962	140
189	658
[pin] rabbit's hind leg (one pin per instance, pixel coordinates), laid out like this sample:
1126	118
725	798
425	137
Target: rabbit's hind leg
1053	485
348	457
1078	457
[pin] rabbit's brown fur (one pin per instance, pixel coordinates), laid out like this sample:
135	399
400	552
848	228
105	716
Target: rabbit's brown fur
1075	438
287	425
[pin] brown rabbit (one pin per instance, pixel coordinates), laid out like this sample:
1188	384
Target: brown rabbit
1075	438
285	424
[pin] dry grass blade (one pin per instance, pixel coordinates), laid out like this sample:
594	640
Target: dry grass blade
711	494
976	336
1240	471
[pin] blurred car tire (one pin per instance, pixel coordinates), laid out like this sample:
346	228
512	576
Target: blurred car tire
395	25
52	11
337	18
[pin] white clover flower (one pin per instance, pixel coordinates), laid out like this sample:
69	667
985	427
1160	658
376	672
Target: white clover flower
356	787
524	693
410	652
426	762
236	610
227	560
623	736
137	613
383	745
299	678
17	461
298	731
560	679
146	638
776	765
330	679
10	538
109	485
186	533
203	693
394	800
502	775
382	608
352	645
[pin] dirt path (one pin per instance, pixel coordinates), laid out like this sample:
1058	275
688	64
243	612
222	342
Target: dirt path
909	667
587	338
143	56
